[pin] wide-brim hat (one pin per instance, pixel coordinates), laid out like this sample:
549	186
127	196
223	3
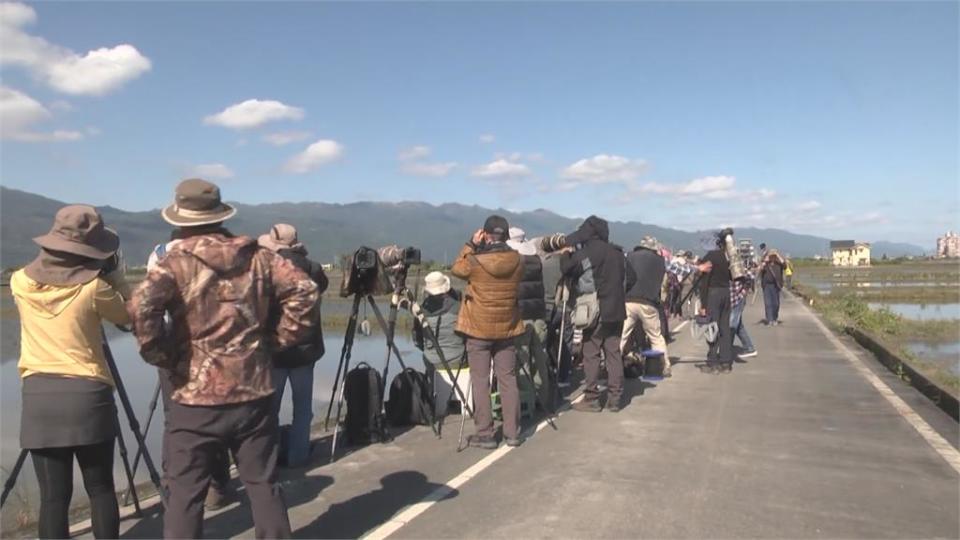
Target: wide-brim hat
79	230
436	283
522	247
197	202
281	236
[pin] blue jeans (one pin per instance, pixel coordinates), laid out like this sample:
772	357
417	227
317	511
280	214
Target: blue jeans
771	302
739	329
301	384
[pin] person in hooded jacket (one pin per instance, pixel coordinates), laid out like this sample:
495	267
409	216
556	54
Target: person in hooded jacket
296	364
599	267
63	296
490	320
231	305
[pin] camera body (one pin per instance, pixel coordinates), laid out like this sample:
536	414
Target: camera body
363	274
411	256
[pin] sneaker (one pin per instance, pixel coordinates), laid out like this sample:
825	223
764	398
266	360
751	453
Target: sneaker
709	369
513	442
748	354
725	369
613	406
478	441
587	406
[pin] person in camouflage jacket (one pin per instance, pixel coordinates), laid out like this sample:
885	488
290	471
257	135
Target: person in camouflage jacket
221	292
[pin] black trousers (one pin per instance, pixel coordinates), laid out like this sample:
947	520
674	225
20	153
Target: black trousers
220	470
54	467
193	437
718	309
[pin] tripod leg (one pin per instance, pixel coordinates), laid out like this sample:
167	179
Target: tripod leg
344	352
533	386
131	482
463	417
336	425
146	429
131	416
12	479
396	351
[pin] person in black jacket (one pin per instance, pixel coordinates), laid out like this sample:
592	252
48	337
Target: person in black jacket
296	363
531	346
771	279
597	267
715	304
646	268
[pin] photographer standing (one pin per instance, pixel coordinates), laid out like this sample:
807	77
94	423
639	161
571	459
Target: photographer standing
222	292
598	270
715	304
490	320
63	296
646	269
771	279
296	363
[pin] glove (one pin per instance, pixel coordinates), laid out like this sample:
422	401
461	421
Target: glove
116	275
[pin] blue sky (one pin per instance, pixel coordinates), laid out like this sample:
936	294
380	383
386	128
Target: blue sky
831	118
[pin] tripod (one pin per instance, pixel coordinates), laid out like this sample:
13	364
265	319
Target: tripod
134	427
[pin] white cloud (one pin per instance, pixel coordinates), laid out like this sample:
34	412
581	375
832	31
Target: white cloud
487	138
316	155
435	170
211	171
97	72
710	187
411	163
18	114
501	168
286	137
809	206
414	152
252	113
601	169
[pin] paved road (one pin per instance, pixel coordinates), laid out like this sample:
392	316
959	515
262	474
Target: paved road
795	443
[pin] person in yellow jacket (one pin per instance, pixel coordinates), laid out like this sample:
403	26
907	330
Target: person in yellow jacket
68	411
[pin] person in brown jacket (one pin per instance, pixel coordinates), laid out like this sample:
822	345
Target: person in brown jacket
490	320
220	291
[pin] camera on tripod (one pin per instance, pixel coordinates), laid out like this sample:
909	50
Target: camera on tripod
396	257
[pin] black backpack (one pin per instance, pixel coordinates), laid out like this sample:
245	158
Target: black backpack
363	394
410	401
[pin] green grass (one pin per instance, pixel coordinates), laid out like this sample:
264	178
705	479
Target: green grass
892	330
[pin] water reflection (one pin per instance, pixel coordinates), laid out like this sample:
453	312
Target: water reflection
922	312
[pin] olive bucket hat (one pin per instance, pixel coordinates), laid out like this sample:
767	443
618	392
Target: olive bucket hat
197	202
75	249
78	229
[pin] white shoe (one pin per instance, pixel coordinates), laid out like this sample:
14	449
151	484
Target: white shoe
748	354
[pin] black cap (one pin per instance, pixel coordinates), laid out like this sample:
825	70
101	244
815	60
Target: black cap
496	225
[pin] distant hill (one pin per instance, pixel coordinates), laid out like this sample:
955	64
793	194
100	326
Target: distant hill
332	229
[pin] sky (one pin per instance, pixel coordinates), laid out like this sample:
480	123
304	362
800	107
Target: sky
838	119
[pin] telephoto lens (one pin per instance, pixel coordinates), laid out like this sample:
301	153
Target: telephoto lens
553	242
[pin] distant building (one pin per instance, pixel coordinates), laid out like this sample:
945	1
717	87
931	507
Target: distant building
850	253
948	246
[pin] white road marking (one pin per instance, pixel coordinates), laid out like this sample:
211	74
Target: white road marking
934	439
679	327
414	510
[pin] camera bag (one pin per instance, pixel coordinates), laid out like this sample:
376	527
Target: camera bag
586	311
410	400
363	394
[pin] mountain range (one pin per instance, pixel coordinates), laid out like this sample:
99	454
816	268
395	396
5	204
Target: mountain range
329	230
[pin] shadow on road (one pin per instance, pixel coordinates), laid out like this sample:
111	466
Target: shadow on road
356	516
